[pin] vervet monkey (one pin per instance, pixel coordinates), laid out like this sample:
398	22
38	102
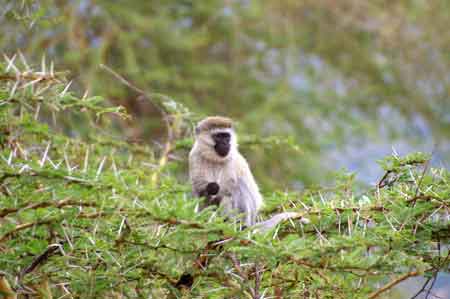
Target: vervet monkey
221	174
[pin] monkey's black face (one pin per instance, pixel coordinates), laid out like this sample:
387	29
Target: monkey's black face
222	143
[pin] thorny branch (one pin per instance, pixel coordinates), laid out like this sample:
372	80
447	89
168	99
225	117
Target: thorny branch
391	176
26	225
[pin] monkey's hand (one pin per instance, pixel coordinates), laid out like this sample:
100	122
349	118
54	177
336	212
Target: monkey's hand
210	193
212	188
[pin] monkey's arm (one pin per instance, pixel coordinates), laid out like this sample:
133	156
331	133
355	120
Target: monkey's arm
201	186
198	176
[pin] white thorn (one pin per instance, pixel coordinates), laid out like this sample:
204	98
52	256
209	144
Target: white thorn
25	167
24	61
86	160
321	198
114	167
395	153
36	114
10	63
100	167
32	24
53	164
63	93
44	157
22	151
66	159
13	90
43	65
349	223
85	95
52	69
121	226
390	223
12	154
31	82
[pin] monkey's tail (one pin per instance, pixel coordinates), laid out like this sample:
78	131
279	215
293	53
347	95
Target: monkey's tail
265	226
244	201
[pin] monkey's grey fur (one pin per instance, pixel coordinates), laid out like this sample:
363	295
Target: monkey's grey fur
238	192
237	188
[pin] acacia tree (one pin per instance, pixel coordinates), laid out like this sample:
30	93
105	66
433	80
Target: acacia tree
102	218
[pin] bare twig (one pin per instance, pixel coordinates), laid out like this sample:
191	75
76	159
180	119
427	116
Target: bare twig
434	276
170	132
432	284
393	283
423	288
40	259
384	180
425	168
237	265
258	270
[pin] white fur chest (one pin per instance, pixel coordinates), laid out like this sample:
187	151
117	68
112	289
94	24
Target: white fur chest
223	174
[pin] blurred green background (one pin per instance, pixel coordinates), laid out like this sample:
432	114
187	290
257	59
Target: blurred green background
348	81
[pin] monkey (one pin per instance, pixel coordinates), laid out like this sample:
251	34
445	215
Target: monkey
220	174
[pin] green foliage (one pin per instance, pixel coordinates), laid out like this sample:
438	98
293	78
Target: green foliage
333	76
105	218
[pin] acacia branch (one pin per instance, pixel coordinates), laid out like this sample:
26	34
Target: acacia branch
26	225
40	259
46	204
393	283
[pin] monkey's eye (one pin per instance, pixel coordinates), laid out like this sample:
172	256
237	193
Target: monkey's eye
222	137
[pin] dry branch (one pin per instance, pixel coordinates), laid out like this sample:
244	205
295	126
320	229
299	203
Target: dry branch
393	283
40	259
